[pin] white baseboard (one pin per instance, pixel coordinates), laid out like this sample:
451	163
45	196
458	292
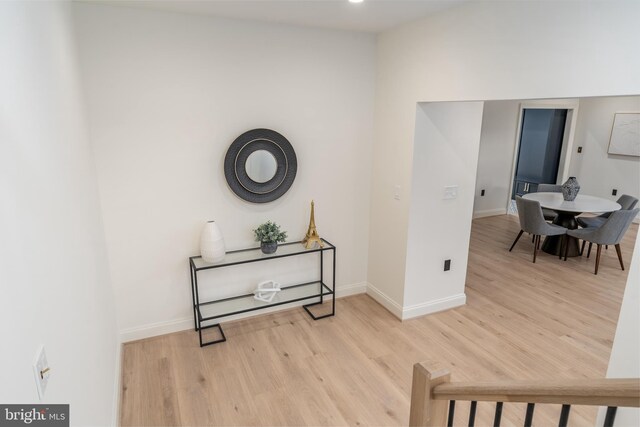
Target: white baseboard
177	325
353	289
154	329
411	311
402	313
490	212
435	306
393	307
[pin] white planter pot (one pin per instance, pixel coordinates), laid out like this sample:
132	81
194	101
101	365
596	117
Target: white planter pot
212	243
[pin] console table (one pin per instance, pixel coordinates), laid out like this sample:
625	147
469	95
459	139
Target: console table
207	311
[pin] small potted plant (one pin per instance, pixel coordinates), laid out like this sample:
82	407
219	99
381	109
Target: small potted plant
269	234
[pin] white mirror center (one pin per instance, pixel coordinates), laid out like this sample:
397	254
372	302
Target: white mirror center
261	166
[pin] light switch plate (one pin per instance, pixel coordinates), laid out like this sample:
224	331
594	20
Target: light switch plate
450	192
396	192
39	365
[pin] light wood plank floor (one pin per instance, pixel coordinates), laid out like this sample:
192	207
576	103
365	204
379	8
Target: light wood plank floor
552	319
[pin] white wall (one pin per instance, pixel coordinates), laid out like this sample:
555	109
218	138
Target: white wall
449	133
597	171
167	94
482	51
54	274
625	354
495	157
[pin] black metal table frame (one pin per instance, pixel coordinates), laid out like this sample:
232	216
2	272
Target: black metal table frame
324	290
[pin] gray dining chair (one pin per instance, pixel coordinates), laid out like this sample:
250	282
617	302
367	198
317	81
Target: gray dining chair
532	221
610	232
625	201
549	214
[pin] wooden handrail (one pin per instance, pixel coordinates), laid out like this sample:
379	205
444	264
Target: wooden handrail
596	392
431	390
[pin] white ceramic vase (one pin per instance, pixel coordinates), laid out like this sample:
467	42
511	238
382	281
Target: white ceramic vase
212	243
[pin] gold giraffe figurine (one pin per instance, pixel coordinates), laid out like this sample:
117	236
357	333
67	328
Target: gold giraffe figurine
312	234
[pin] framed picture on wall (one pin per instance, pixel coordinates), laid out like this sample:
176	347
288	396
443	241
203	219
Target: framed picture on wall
625	134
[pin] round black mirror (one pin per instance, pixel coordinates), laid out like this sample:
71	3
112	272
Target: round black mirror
260	166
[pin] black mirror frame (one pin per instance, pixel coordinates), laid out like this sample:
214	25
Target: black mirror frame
236	157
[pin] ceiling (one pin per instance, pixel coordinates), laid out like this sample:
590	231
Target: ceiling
369	16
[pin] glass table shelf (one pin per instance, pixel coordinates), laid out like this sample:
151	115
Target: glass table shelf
244	256
244	303
310	293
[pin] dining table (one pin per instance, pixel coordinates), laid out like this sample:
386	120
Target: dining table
567	211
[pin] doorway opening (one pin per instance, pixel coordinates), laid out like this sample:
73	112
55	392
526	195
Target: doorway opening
543	146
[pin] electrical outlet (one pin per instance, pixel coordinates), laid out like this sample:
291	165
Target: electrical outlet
482	193
579	149
614	192
447	264
41	372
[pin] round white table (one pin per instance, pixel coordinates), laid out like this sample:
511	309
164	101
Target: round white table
567	212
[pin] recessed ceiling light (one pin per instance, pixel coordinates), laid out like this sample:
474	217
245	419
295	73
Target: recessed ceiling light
356	1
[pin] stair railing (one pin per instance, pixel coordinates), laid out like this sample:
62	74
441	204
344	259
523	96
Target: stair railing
433	396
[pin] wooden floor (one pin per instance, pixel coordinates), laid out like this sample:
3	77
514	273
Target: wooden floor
552	319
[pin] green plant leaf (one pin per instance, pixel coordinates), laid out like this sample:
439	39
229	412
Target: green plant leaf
270	232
